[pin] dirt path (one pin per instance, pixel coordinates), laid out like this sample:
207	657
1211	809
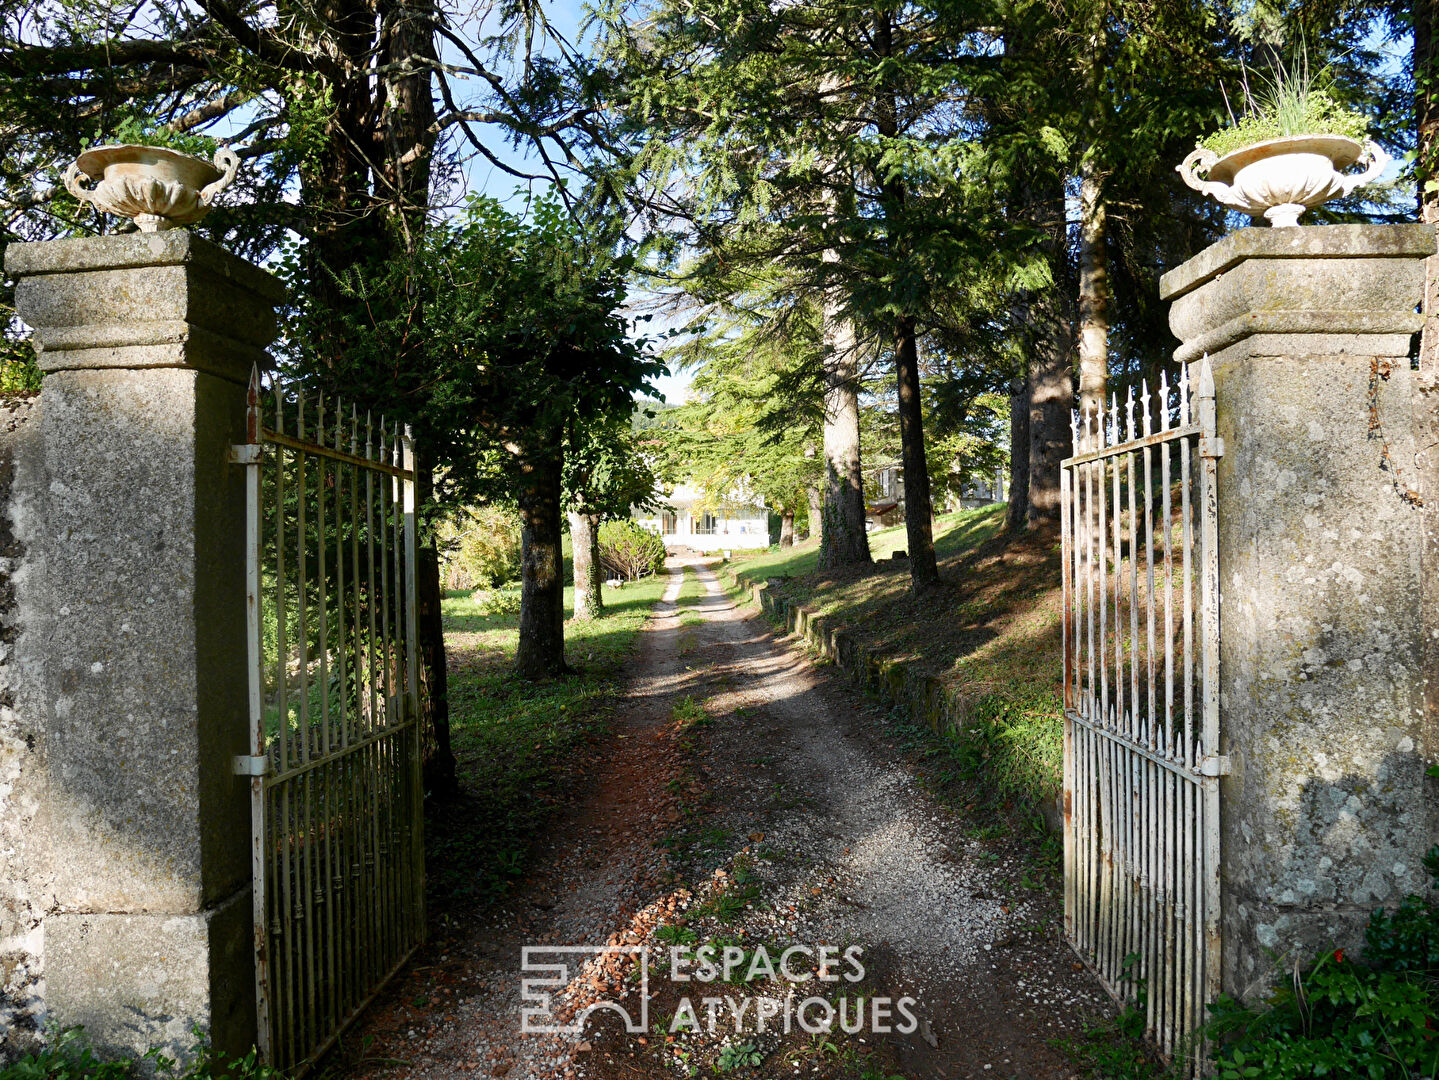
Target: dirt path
768	810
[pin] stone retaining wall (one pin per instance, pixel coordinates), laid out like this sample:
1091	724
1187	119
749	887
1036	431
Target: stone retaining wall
929	702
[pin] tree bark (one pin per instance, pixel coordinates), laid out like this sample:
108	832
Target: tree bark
1094	228
1047	317
585	539
429	618
1051	394
816	511
1425	14
786	527
1016	515
918	509
541	650
1093	290
843	541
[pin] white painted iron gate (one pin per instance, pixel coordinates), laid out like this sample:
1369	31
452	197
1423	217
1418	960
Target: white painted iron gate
334	716
1141	704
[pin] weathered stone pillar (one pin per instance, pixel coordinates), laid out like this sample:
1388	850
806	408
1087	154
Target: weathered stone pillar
1326	813
137	633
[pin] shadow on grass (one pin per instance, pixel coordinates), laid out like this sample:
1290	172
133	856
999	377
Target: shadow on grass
520	745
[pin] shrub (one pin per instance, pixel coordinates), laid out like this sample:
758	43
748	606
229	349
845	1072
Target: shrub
630	551
1372	1018
479	548
504	601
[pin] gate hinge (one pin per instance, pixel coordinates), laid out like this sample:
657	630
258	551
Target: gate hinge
252	765
245	453
1211	448
1214	765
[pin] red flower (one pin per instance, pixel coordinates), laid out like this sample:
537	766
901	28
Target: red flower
1339	956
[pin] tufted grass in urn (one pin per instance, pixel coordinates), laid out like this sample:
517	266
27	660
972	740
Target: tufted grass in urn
1287	152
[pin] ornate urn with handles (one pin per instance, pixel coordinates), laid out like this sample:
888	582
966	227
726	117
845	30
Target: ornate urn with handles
1279	179
159	188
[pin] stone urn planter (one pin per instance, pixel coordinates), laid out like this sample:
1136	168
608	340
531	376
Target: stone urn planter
1279	179
159	188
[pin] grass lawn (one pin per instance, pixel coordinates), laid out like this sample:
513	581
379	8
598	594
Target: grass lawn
991	632
518	743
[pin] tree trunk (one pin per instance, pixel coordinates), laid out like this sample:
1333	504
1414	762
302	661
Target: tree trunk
786	527
1425	15
1094	227
1051	394
918	510
429	619
843	541
1016	515
816	511
1047	317
1093	290
541	650
585	539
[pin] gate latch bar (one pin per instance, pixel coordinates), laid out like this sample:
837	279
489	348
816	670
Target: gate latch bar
252	765
1214	765
245	453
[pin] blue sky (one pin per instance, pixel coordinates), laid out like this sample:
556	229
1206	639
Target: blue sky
483	177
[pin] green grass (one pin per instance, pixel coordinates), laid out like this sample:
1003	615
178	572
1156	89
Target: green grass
517	742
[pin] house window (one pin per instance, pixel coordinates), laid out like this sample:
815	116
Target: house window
669	523
705	526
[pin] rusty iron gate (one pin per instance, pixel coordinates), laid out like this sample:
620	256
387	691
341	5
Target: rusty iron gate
334	716
1141	704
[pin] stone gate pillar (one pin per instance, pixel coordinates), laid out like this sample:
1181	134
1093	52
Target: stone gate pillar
1326	812
136	631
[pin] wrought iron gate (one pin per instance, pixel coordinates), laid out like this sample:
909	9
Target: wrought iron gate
1141	703
334	716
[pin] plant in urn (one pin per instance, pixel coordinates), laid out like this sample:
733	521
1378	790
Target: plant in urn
1287	152
157	187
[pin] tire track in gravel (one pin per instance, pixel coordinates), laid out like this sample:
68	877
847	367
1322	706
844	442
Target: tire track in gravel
854	851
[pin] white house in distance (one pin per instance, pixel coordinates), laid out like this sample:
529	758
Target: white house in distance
737	524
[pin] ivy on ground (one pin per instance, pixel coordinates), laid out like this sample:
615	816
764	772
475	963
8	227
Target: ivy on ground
1345	1017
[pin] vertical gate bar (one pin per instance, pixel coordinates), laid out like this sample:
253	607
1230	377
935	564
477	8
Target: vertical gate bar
282	630
344	890
1209	608
1088	878
1134	717
1153	961
387	489
1166	987
1138	770
281	965
397	741
1149	571
254	646
302	839
372	855
1166	480
413	661
1102	552
1068	646
1117	513
1122	803
359	884
1185	449
325	773
1091	585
